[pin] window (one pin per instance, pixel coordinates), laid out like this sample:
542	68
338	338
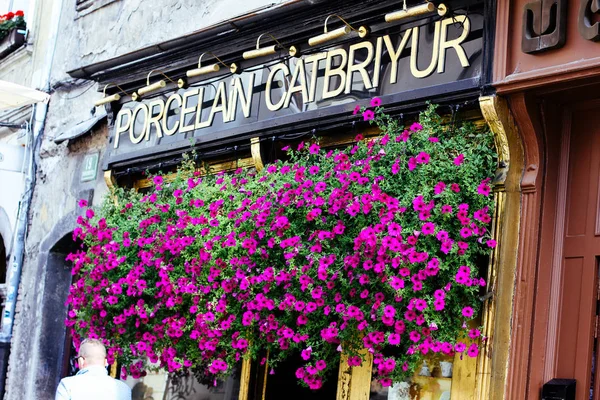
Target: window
85	7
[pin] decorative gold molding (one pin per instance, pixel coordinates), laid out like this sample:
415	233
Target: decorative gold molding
245	379
354	383
492	363
111	182
113	370
497	115
344	378
255	150
110	179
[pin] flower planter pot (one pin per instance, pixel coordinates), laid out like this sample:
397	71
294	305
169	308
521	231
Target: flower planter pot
14	40
446	368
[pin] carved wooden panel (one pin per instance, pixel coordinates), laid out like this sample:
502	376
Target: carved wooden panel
587	28
544	25
578	277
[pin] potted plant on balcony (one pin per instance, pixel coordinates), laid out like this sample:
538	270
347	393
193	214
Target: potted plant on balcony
12	32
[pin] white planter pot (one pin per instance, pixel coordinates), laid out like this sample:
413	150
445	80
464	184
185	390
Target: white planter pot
446	368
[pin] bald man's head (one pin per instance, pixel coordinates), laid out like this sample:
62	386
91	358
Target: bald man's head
93	352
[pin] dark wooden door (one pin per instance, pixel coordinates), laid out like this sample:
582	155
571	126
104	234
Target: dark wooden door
577	347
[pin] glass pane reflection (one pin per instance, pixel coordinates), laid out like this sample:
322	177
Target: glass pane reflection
162	386
426	384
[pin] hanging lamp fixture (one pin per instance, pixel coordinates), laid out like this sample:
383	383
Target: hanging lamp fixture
109	99
337	33
264	51
233	68
421	9
156	85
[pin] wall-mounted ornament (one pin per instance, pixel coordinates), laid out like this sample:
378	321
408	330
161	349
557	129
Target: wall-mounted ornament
544	25
327	36
155	86
587	28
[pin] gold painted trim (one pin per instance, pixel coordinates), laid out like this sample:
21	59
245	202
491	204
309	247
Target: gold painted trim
110	179
492	363
497	115
344	379
213	168
113	370
255	150
111	183
245	379
360	380
354	383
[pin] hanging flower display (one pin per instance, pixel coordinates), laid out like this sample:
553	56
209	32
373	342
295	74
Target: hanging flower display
378	246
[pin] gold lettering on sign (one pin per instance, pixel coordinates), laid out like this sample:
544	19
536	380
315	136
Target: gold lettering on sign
414	68
314	60
360	67
299	74
121	127
171	131
154	119
464	21
286	71
185	110
136	139
238	93
198	122
219	103
395	54
377	67
331	71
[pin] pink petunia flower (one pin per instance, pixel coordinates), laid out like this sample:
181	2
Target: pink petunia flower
467	312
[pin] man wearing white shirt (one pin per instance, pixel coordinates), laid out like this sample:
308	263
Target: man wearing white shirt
92	381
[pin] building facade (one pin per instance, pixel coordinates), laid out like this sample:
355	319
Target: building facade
482	61
546	66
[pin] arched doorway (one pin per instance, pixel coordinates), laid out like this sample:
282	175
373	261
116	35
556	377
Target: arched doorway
55	347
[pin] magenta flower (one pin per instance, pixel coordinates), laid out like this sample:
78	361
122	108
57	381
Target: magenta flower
439	187
467	312
375	102
356	110
483	189
416	127
473	350
459	159
394	339
412	163
428	228
414	336
321	365
423	158
368	115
